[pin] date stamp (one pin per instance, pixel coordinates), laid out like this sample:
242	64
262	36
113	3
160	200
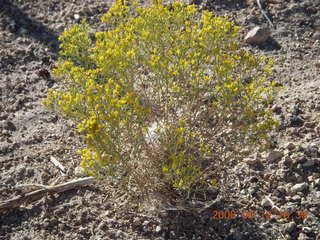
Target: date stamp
255	214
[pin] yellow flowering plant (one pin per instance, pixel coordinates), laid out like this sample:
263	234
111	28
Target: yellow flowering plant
162	96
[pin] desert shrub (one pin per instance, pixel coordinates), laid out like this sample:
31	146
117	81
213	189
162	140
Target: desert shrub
163	96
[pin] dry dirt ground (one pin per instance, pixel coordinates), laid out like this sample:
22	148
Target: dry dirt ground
29	135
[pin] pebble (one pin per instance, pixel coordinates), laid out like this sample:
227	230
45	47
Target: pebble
274	156
289	227
296	198
303	236
290	146
309	163
266	202
316	36
295	121
306	229
145	223
281	188
276	109
76	16
300	187
310	178
257	35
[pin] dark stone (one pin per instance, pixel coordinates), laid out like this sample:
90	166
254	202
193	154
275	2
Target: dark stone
295	121
10	126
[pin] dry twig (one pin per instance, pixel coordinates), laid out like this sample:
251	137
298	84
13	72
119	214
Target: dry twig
58	164
37	194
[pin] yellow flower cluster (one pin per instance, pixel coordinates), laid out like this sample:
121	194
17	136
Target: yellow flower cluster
161	62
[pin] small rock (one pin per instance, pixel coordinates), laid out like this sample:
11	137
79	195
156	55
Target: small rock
303	236
309	163
274	156
145	223
281	189
257	35
158	228
295	121
76	16
307	229
316	36
266	202
276	109
296	198
290	146
289	227
300	187
311	178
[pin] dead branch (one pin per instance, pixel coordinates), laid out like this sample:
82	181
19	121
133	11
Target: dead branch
36	195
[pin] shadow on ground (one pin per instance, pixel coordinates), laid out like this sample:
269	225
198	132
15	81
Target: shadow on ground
18	22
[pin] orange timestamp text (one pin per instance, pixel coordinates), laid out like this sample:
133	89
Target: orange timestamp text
253	214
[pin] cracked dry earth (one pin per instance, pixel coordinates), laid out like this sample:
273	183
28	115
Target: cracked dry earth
285	180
